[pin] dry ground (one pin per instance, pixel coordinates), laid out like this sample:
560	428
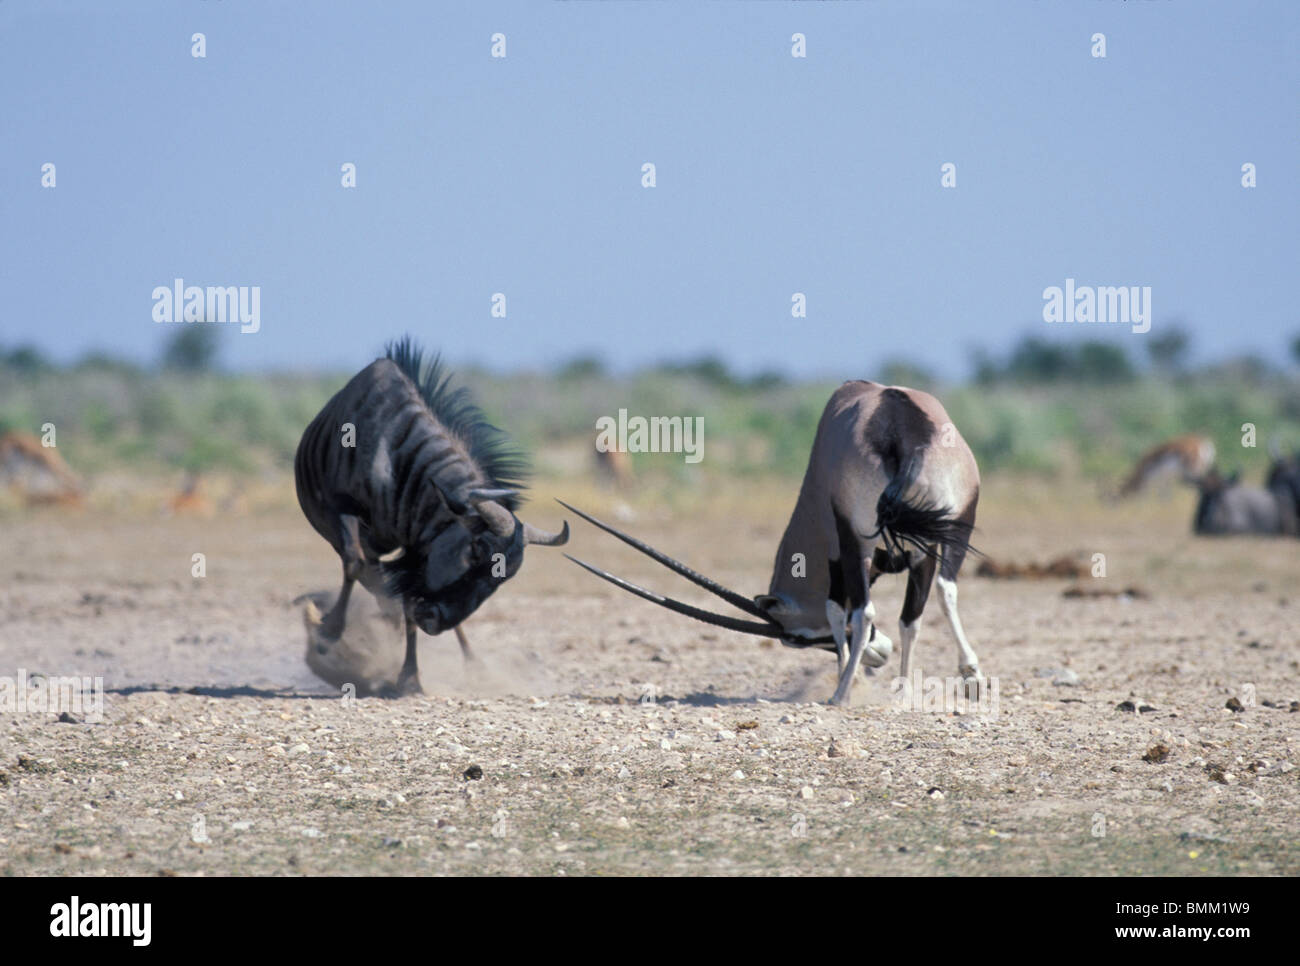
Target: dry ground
615	738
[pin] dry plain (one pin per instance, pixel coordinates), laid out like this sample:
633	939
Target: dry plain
614	738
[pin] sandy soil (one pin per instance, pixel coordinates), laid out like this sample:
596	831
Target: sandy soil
615	738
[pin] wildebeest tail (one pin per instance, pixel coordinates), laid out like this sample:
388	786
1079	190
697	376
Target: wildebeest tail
934	530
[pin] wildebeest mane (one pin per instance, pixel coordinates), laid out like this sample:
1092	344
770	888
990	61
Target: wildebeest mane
490	448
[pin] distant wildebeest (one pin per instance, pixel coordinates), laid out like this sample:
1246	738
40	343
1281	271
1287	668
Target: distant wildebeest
1188	457
1284	476
1228	506
417	493
890	486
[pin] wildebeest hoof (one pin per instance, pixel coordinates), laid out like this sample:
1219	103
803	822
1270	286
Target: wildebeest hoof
404	688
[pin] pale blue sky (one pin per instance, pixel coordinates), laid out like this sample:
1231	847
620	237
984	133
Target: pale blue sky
522	175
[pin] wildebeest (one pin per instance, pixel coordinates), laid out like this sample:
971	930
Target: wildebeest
1228	506
1284	477
1189	457
401	466
890	486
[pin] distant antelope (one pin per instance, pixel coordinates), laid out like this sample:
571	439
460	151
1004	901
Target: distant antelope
890	486
613	468
416	492
191	499
1189	457
38	472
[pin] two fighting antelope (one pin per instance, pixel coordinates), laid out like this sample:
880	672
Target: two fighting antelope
890	486
417	493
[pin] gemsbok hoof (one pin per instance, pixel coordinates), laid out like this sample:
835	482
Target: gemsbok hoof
877	650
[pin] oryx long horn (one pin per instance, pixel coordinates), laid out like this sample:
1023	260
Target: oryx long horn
736	600
541	537
708	617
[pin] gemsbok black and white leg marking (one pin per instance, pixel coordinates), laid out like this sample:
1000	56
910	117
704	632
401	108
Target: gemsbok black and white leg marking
890	486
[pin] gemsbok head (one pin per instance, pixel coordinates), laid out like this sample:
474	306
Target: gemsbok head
890	486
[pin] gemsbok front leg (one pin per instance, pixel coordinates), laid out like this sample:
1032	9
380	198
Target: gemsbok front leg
838	620
866	644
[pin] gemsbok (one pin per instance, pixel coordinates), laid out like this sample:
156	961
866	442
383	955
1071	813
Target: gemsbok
417	493
890	486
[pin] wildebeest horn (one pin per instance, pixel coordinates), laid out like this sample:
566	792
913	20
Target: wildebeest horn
499	520
541	537
712	586
731	623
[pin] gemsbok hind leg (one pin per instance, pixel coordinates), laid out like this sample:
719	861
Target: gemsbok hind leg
968	663
920	577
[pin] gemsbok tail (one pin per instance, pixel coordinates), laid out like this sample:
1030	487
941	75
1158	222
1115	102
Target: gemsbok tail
934	530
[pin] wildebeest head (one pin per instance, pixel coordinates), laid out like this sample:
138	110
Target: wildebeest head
446	580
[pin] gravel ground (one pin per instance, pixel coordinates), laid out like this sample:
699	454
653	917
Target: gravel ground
596	734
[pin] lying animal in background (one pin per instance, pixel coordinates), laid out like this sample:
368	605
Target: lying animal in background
417	493
1228	506
1188	458
1284	477
890	486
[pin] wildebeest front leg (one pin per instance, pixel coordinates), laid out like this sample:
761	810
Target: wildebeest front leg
408	680
465	652
332	625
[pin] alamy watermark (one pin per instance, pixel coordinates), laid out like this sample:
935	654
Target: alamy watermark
43	694
653	434
958	695
1105	305
217	303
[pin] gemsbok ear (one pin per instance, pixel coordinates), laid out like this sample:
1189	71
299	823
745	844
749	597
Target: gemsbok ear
767	602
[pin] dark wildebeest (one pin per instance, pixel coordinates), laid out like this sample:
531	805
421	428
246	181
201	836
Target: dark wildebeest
1228	506
890	486
1284	477
400	466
